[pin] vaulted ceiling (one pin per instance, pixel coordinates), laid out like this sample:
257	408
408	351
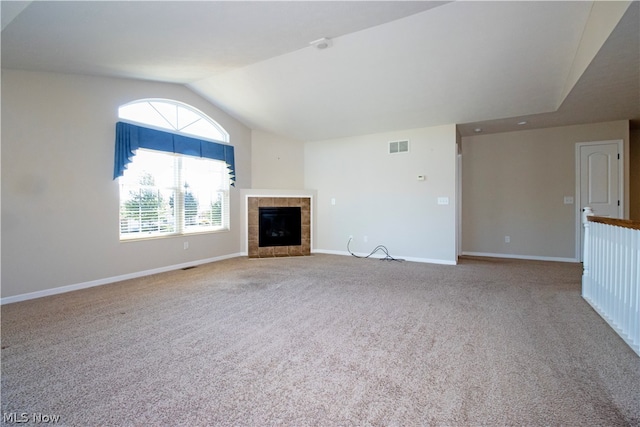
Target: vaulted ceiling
391	64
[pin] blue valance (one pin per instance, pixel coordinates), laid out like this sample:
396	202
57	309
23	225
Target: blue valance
131	137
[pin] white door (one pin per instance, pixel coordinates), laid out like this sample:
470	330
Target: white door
600	180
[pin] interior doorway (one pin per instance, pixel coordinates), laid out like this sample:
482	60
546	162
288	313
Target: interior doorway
599	183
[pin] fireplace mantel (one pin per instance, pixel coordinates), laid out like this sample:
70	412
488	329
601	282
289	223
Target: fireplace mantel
255	199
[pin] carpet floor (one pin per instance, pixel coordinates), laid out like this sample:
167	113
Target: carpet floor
323	340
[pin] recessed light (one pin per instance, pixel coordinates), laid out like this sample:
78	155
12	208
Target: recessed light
477	130
322	43
524	122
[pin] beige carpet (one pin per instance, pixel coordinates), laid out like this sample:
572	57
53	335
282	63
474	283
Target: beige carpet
322	340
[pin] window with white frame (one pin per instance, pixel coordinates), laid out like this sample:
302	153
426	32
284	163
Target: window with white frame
164	193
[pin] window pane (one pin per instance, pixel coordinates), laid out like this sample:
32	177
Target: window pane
168	112
205	184
147	195
205	129
143	112
186	117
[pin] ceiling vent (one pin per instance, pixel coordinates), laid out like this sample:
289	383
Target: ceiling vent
398	146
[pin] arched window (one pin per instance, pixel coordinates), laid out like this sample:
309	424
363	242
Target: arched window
173	116
174	180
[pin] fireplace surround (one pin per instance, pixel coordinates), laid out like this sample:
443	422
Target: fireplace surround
253	226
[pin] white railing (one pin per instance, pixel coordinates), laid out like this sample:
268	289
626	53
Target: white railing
611	276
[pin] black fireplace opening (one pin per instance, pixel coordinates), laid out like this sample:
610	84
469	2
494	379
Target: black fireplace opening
279	226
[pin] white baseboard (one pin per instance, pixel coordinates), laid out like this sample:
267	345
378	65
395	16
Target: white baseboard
527	257
108	280
380	256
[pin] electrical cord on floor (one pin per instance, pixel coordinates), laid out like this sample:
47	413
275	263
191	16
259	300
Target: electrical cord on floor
377	248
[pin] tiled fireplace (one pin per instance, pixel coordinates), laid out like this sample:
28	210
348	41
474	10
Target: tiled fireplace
253	226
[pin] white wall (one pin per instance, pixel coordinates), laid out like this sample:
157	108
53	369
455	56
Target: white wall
377	194
59	201
277	162
514	185
60	204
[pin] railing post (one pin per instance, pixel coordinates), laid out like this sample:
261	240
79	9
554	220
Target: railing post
586	253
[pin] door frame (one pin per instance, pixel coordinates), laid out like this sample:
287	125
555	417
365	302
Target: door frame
578	210
458	206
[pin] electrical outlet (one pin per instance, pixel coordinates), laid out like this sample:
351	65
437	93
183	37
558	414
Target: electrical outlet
507	239
350	236
186	245
366	239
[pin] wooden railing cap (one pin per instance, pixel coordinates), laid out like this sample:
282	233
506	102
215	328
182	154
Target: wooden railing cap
626	223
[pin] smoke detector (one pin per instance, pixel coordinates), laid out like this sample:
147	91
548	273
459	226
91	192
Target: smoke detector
322	43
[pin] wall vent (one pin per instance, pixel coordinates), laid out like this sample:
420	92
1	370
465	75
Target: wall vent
398	146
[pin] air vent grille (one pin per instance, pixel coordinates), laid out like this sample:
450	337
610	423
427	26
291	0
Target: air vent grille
401	146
